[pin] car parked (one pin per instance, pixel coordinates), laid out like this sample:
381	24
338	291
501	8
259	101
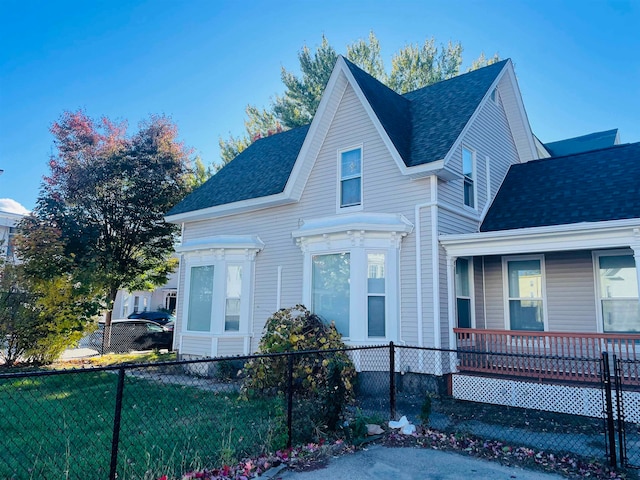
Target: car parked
162	318
133	334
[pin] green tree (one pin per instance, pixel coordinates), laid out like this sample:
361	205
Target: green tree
412	67
200	173
415	66
106	197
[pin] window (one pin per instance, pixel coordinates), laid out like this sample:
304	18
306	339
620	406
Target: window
200	298
468	171
232	304
525	287
351	178
463	293
618	293
494	95
170	302
350	272
331	290
376	318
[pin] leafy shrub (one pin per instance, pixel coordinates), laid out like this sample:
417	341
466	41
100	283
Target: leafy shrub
324	382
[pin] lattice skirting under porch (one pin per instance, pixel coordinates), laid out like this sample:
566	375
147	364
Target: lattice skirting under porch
575	400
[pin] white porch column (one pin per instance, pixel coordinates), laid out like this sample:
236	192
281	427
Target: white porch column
635	246
451	298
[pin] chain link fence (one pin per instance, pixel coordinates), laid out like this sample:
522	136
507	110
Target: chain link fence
148	420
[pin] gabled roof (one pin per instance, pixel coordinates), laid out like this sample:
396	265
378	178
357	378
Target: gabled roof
422	126
440	111
595	186
259	171
583	143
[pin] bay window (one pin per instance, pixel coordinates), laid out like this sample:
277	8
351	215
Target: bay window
200	298
351	273
330	289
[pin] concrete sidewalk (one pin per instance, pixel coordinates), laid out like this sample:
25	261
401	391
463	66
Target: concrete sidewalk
383	463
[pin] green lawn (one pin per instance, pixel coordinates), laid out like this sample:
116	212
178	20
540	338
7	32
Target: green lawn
59	427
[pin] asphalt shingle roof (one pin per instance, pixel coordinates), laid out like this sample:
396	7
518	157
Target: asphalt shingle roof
440	112
423	125
584	143
259	171
595	186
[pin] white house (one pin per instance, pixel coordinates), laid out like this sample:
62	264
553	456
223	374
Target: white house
434	218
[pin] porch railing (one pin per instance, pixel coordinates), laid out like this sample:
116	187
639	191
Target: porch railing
562	356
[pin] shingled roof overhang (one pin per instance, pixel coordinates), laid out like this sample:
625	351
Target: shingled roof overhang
596	186
422	126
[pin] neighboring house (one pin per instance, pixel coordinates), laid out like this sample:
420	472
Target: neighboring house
345	215
161	298
8	228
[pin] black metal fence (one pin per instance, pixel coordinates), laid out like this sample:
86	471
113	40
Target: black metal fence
147	420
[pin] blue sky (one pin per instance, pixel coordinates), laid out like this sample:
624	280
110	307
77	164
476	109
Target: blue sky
202	62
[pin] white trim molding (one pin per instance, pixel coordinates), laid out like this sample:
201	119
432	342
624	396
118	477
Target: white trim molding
358	234
578	236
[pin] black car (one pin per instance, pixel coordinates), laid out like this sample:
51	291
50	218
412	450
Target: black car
161	318
132	334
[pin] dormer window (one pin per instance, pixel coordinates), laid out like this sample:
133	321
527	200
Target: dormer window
468	171
351	178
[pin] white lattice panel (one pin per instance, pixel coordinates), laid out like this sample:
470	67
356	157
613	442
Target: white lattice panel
553	398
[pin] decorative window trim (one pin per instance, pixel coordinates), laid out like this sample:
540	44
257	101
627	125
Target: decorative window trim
359	206
505	287
359	235
221	252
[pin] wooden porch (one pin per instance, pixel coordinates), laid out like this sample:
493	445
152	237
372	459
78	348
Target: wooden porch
546	356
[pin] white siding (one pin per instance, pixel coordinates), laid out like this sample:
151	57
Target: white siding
570	292
490	137
385	190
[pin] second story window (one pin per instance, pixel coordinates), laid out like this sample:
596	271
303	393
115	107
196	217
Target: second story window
468	170
351	178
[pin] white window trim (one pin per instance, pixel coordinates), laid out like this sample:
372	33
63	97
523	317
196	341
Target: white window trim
472	297
474	179
596	254
385	295
220	258
359	235
226	296
351	208
505	288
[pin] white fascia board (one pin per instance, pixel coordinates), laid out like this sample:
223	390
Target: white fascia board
579	236
368	222
231	242
373	117
522	115
230	209
305	154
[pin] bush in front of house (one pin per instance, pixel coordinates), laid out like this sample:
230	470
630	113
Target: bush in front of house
323	384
